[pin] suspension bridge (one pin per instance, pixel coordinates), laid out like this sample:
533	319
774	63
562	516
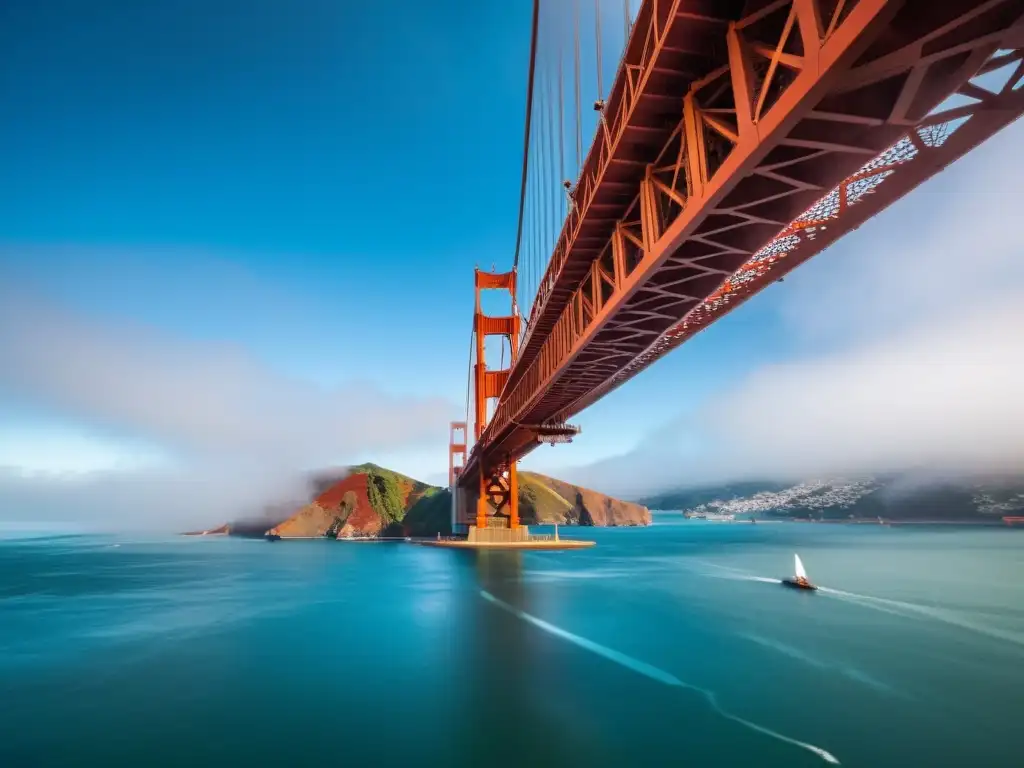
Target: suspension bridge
729	142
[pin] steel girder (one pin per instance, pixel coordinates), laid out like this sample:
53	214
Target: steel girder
730	151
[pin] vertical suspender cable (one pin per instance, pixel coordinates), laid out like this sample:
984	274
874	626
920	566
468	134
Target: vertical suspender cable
528	250
528	238
526	139
563	208
579	127
538	213
597	24
469	384
549	190
553	181
531	240
543	175
625	25
561	122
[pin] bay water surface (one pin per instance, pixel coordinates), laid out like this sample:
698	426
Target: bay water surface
669	645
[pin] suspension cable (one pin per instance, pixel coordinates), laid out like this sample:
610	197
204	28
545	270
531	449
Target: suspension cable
549	167
538	236
561	117
537	213
553	179
469	383
597	23
531	223
542	213
625	24
579	127
526	139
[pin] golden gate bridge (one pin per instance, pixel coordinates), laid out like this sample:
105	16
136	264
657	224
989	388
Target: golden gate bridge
735	140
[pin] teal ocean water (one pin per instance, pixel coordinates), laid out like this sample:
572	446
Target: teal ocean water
670	645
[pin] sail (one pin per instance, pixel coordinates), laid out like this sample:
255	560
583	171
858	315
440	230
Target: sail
800	572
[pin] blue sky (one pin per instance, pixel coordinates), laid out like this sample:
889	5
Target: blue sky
273	210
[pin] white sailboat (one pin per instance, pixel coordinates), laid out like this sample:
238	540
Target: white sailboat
799	580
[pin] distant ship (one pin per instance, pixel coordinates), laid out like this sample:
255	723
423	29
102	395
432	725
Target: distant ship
799	581
271	536
715	516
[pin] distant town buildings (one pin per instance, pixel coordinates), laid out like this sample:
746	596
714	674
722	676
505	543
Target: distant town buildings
812	495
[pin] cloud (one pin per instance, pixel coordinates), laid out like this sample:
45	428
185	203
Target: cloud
909	351
199	398
240	435
164	500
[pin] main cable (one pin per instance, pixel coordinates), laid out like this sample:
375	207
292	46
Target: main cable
526	139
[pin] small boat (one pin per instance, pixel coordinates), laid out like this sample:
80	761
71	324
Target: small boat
271	537
799	581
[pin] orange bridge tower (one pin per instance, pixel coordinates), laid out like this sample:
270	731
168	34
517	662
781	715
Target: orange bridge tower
494	517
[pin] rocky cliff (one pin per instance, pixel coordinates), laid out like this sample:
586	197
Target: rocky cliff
369	501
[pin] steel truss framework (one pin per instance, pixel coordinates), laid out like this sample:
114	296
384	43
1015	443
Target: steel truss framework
739	140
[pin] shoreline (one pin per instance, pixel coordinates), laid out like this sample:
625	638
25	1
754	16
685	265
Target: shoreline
1000	523
884	523
773	521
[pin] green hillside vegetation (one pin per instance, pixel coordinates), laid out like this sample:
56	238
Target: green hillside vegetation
540	504
430	514
385	497
393	496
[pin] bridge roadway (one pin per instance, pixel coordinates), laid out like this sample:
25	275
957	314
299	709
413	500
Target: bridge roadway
738	140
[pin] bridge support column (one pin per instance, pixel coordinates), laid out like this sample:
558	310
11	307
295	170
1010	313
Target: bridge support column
513	496
499	490
481	503
457	439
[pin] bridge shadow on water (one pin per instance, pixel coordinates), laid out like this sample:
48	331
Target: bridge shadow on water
529	698
500	720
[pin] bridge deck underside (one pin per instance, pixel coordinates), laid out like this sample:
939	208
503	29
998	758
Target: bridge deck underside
610	179
733	153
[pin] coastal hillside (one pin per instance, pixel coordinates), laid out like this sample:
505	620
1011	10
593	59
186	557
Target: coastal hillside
373	501
891	497
368	501
544	500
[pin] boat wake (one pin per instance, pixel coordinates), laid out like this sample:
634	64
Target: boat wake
659	675
883	604
762	579
917	610
728	572
853	673
888	605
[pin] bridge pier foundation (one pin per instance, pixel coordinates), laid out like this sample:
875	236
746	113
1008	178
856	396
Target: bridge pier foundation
492	534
